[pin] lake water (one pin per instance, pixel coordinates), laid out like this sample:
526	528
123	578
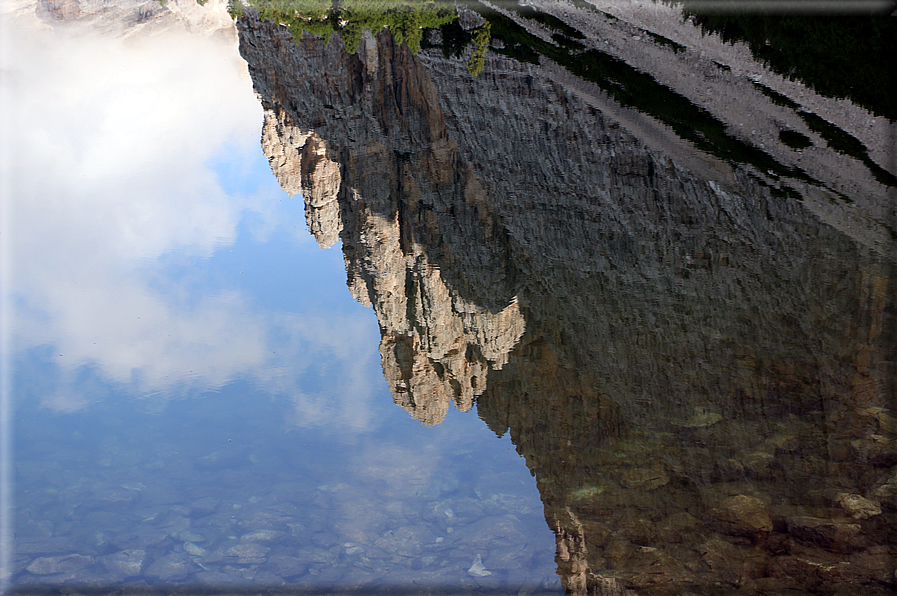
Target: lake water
564	298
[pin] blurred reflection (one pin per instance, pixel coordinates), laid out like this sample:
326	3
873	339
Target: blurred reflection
127	197
695	356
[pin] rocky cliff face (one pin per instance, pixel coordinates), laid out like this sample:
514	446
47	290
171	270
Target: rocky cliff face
376	168
691	366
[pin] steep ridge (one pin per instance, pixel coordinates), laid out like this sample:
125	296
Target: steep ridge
412	250
693	368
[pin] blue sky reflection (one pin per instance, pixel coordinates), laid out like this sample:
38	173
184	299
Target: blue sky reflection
152	248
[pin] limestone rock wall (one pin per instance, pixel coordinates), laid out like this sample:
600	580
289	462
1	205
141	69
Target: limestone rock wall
365	144
300	164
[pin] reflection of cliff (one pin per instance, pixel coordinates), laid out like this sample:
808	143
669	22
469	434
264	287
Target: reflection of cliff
702	365
369	153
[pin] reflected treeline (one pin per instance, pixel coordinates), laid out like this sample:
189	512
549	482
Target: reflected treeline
635	88
838	55
699	371
349	18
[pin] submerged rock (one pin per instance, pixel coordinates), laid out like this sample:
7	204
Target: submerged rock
644	479
408	541
491	533
856	506
806	571
126	563
261	536
196	551
286	566
743	515
61	564
733	564
886	492
171	567
247	550
204	506
702	417
478	569
840	536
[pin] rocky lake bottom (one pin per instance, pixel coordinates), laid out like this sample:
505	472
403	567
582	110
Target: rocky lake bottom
138	507
121	506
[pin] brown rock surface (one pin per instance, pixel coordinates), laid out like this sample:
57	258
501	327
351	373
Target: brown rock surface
857	506
743	515
840	536
445	352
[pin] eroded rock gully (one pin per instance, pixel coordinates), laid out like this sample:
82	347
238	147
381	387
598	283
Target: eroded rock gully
698	374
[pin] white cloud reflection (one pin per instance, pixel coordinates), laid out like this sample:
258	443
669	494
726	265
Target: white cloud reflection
107	171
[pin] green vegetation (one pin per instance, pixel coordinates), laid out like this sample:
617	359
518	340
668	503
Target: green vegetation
481	37
235	9
405	18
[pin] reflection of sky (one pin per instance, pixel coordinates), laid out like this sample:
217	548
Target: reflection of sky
149	255
151	246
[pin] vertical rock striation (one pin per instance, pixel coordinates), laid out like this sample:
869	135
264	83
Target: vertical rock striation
363	140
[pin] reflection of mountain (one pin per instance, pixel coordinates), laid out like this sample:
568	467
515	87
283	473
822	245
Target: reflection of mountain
385	181
124	18
702	382
852	53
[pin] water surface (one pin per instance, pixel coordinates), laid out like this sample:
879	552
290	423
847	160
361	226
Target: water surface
620	316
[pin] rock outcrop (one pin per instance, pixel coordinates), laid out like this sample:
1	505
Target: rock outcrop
300	164
366	146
